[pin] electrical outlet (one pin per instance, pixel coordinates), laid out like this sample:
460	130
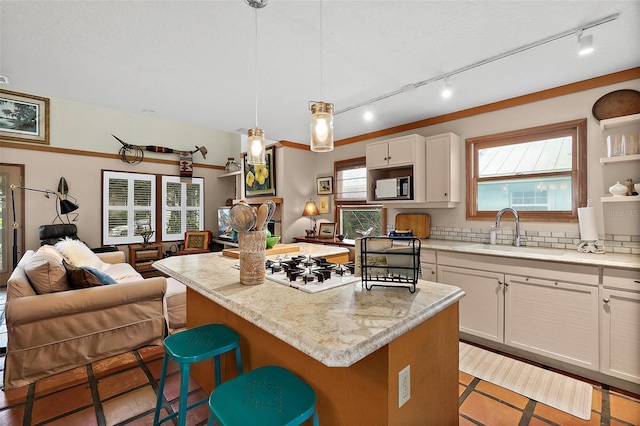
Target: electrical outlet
404	385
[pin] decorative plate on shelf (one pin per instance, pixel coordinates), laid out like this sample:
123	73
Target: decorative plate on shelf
617	104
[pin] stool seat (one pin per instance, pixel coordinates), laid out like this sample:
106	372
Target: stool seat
194	345
268	396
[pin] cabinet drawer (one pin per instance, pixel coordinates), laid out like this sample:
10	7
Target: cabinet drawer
428	256
624	279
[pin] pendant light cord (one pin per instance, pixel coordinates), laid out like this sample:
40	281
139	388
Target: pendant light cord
256	63
321	51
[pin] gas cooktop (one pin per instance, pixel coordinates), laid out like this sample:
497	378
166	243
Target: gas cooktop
309	274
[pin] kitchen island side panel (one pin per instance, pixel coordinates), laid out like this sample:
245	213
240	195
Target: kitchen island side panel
364	393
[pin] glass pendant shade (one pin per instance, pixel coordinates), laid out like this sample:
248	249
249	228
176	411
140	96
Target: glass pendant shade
321	127
256	148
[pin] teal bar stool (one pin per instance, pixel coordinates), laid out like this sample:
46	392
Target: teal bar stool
266	396
189	346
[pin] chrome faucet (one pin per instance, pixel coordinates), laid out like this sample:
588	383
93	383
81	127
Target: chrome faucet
516	240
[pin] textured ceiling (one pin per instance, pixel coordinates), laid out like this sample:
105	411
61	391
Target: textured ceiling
194	61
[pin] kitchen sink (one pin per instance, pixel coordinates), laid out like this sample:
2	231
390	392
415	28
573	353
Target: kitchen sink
498	248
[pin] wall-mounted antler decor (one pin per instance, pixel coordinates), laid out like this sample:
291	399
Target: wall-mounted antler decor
134	154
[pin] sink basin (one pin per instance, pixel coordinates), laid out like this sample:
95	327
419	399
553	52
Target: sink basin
497	248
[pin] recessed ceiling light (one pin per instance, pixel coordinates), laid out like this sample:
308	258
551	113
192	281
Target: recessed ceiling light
148	112
4	79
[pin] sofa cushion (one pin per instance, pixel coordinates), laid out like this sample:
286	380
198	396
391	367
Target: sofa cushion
102	276
78	254
80	277
123	272
46	271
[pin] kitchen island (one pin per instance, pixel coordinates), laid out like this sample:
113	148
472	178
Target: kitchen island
348	343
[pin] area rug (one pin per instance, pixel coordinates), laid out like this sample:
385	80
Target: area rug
556	390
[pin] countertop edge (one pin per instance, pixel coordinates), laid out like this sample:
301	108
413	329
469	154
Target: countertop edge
614	260
330	358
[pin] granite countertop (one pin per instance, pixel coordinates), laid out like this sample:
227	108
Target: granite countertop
617	260
337	327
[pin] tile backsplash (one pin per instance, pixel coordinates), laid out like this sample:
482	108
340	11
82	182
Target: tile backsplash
629	244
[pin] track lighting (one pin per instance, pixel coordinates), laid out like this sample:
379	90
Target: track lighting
585	43
368	114
447	90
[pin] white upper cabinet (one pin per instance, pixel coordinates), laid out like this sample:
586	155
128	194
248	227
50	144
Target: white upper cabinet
443	170
432	162
393	152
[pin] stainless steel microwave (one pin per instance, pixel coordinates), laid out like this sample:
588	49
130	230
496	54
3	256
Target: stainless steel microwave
399	188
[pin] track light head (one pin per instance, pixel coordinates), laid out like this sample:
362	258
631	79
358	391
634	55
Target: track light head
447	90
585	44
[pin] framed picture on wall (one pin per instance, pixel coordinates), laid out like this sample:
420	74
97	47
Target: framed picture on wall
325	185
24	118
260	179
323	204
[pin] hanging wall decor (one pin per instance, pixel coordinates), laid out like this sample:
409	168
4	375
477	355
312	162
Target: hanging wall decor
134	154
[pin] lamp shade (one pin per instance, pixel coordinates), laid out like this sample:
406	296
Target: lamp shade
310	209
256	148
321	127
67	206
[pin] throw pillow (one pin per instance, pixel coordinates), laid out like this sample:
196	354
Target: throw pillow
78	254
46	271
79	277
102	276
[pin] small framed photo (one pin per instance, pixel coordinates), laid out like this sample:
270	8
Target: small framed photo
323	204
325	185
327	230
24	118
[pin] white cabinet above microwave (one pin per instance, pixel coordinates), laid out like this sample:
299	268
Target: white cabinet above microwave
433	163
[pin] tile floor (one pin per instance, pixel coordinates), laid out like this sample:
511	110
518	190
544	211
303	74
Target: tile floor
122	391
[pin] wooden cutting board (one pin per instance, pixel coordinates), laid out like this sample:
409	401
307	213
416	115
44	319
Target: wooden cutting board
419	223
277	249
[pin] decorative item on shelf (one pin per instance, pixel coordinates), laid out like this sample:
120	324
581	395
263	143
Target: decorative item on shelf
232	165
327	230
629	185
310	210
614	145
340	237
145	231
631	143
636	187
618	190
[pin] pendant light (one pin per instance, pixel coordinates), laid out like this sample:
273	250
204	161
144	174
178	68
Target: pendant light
321	115
256	147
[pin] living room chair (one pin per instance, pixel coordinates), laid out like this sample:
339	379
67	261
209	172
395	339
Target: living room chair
51	234
195	242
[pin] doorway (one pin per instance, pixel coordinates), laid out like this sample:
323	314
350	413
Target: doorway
10	174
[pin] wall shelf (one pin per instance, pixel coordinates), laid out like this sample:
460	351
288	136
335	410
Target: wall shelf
612	123
226	175
612	199
619	159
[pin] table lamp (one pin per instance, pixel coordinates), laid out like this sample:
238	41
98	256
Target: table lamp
310	210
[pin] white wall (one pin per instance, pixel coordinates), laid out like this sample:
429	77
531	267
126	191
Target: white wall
307	167
85	127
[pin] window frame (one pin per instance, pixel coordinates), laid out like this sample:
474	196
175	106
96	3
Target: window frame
183	207
350	203
575	128
130	177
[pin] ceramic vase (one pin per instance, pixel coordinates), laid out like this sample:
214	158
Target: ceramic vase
252	247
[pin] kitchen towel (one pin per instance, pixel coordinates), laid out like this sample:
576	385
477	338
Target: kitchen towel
587	220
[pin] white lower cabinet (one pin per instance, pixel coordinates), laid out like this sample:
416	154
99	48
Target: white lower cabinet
482	307
552	318
620	324
544	308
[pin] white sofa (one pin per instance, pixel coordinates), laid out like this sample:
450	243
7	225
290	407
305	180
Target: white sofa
52	331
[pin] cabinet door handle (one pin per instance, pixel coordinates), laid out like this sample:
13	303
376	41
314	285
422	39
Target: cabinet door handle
605	300
500	282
